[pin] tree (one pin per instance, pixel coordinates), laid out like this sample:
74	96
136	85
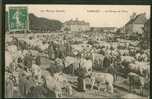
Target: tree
37	23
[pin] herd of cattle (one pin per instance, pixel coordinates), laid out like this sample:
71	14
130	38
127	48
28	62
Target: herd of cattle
36	66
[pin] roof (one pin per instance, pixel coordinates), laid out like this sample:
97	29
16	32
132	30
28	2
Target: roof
139	19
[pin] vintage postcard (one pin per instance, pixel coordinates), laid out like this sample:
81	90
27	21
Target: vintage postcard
77	51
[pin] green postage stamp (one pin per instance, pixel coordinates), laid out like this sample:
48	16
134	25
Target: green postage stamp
18	19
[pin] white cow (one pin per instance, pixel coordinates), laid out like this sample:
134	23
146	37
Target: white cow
128	59
102	78
87	64
69	60
141	68
52	84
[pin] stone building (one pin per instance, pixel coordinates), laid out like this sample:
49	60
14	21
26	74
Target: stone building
136	23
146	35
76	26
104	29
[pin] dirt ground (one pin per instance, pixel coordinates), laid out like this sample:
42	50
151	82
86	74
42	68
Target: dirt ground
118	90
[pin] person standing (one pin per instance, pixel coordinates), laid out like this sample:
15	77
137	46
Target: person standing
68	49
51	51
28	61
81	76
62	50
8	86
106	62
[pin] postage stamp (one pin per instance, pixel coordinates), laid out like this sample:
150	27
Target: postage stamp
18	18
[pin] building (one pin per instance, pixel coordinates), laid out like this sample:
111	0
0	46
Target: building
121	30
76	26
96	29
146	35
147	29
136	23
109	29
104	29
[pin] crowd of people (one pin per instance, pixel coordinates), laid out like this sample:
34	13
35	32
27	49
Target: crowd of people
27	75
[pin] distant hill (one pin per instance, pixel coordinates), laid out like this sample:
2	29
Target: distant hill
43	24
39	24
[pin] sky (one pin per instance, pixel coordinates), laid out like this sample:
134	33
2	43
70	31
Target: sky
96	15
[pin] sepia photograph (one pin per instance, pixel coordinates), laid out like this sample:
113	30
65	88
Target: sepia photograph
77	51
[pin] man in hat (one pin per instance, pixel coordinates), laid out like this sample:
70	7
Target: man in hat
81	75
51	50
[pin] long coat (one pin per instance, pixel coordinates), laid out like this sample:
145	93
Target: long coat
106	63
61	51
51	52
68	50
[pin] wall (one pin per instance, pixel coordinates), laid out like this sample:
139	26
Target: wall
129	28
138	28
